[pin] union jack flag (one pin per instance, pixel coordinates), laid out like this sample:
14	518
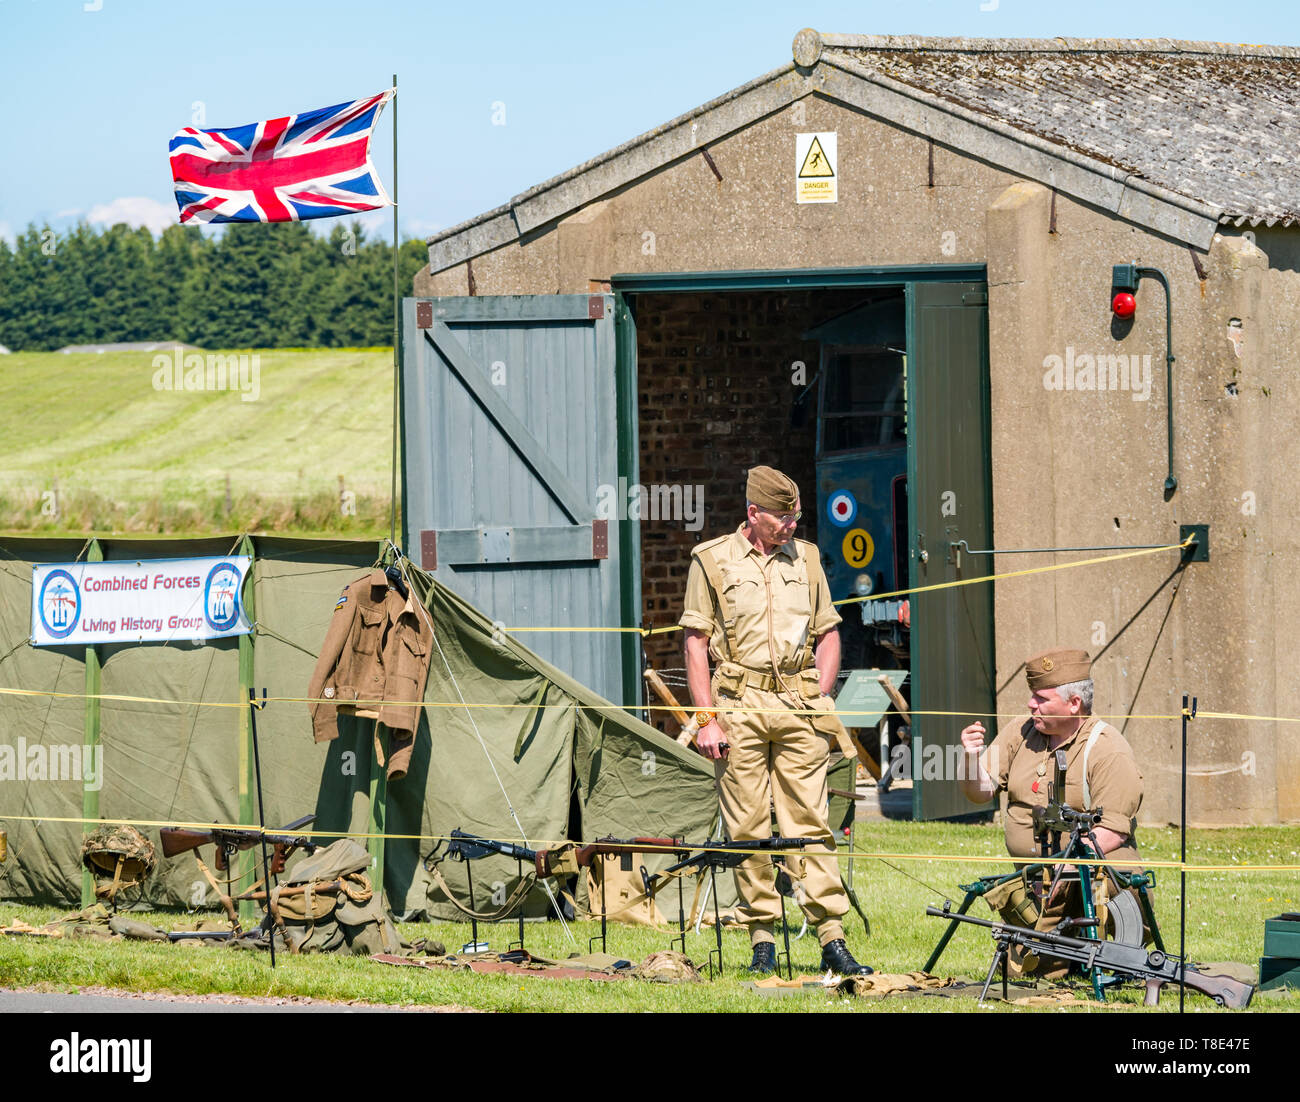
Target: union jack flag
312	165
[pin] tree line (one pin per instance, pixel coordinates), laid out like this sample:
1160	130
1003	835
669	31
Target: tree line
253	286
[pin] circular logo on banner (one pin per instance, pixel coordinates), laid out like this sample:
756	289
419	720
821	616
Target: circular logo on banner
60	603
842	507
221	597
858	547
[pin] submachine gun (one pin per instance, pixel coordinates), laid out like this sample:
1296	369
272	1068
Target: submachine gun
228	843
561	861
1154	968
714	856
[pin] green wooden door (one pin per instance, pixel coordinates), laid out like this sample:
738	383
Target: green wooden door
950	499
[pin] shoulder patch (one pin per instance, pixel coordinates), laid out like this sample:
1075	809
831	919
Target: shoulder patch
341	602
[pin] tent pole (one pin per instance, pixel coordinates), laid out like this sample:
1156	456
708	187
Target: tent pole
378	812
89	796
247	808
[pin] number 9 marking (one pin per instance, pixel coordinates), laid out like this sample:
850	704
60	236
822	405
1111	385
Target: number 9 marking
858	547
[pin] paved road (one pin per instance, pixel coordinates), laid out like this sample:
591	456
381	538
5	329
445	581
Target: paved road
44	1002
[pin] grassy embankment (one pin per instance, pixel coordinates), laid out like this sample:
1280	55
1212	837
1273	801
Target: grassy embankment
1225	922
88	445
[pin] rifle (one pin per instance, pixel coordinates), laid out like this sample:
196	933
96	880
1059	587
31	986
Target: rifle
1154	968
727	855
178	840
564	860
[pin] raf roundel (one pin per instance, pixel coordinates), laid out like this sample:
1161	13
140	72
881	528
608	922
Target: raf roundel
842	508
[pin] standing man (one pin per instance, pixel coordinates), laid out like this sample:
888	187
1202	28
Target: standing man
758	603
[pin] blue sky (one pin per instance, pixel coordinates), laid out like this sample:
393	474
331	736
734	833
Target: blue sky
93	89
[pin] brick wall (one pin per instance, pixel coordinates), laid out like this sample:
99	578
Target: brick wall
714	375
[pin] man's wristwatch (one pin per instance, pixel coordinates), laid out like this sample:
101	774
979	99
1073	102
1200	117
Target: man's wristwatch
704	717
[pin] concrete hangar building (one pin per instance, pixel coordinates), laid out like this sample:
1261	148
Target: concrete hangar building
889	268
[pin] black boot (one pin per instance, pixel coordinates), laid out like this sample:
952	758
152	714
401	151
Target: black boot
837	958
764	962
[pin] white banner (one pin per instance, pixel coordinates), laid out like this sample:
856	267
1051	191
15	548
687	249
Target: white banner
138	602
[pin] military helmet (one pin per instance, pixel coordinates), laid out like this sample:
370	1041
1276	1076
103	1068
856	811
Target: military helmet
118	856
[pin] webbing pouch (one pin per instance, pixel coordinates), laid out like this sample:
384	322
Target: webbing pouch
729	680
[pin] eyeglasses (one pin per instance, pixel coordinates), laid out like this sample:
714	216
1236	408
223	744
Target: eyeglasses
783	518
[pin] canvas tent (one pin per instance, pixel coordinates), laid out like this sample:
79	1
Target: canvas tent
570	764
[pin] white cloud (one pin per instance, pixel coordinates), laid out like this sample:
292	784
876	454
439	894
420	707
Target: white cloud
7	233
134	211
420	227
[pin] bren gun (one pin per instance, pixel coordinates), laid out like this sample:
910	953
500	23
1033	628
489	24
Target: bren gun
1154	968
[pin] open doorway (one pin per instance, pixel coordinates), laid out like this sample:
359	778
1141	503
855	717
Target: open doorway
871	389
812	381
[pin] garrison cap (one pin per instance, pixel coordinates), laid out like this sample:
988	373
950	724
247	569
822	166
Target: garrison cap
1057	667
768	488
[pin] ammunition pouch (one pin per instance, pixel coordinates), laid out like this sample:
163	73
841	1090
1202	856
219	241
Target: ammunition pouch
729	679
563	861
1015	901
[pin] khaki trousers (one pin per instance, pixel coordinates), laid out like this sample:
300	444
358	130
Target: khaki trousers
779	757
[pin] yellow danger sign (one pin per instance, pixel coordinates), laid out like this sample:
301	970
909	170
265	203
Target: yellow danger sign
815	177
815	162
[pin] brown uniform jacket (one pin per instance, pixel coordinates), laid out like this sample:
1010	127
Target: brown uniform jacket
376	649
1019	761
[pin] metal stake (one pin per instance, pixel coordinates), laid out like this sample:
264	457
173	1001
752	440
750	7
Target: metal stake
253	707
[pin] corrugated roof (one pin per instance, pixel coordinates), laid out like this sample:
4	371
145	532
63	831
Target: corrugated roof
1217	123
1175	136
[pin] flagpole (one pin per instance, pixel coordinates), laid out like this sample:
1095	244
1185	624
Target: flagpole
397	336
378	781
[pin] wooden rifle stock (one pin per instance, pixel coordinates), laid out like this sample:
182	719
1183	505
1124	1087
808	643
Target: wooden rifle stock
548	862
687	734
176	840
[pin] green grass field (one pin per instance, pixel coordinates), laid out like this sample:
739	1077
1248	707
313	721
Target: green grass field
301	445
1225	922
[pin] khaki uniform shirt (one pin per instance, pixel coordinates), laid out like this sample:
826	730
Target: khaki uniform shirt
1019	761
790	582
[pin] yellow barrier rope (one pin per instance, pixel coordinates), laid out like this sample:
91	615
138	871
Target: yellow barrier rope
624	708
1016	573
852	855
918	589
